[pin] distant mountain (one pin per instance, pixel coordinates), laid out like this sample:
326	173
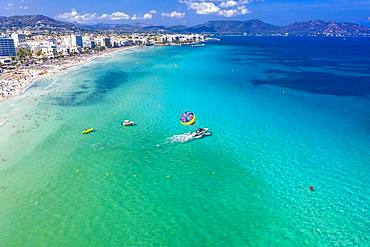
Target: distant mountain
21	21
230	27
258	27
250	27
177	28
325	28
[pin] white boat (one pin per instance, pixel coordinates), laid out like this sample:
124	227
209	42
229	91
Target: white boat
198	45
212	39
199	133
127	123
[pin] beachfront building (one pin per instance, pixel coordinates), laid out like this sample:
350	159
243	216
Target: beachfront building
63	50
45	49
89	42
67	42
7	48
92	44
49	50
76	40
19	38
105	42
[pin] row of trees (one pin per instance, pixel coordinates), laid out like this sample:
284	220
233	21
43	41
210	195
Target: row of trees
23	54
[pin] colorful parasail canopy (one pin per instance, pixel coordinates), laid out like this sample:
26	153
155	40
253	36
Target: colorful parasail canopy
187	118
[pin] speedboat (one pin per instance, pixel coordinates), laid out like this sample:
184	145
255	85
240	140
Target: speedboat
212	39
200	132
87	131
127	123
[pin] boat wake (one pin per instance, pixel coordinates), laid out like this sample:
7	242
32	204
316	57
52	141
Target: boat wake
181	138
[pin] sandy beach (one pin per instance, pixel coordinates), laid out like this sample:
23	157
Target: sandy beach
16	82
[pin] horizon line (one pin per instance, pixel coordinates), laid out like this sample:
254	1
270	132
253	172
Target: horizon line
149	24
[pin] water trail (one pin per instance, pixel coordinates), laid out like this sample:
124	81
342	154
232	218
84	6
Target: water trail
181	138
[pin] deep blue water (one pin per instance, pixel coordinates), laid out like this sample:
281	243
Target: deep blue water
332	66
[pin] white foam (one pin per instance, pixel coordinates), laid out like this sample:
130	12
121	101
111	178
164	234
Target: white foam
182	138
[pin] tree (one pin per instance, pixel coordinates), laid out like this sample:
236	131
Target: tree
23	54
39	53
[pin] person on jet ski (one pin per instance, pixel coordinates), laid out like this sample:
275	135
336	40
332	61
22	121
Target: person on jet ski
200	131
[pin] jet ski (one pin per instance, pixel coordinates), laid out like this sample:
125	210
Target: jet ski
200	132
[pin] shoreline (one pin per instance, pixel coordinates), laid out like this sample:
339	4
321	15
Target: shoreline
15	87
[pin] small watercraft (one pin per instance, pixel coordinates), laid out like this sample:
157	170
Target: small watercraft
198	45
127	123
87	131
212	39
199	133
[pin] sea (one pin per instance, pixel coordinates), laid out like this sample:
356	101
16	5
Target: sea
285	113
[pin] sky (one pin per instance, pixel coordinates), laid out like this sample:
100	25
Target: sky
191	12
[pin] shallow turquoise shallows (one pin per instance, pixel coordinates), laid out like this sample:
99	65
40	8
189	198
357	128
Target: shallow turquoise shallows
285	114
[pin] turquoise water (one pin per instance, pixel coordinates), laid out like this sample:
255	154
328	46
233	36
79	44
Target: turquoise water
278	125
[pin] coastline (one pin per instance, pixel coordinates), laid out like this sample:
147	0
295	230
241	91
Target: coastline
15	83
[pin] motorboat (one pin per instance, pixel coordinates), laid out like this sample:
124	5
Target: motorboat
87	131
212	39
198	45
127	123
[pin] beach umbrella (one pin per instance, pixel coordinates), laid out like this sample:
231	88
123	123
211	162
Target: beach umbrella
187	118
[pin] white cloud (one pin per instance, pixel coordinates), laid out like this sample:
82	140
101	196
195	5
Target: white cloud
203	8
174	14
228	4
248	1
147	16
119	16
14	5
103	16
9	6
226	8
240	10
228	12
74	16
243	10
